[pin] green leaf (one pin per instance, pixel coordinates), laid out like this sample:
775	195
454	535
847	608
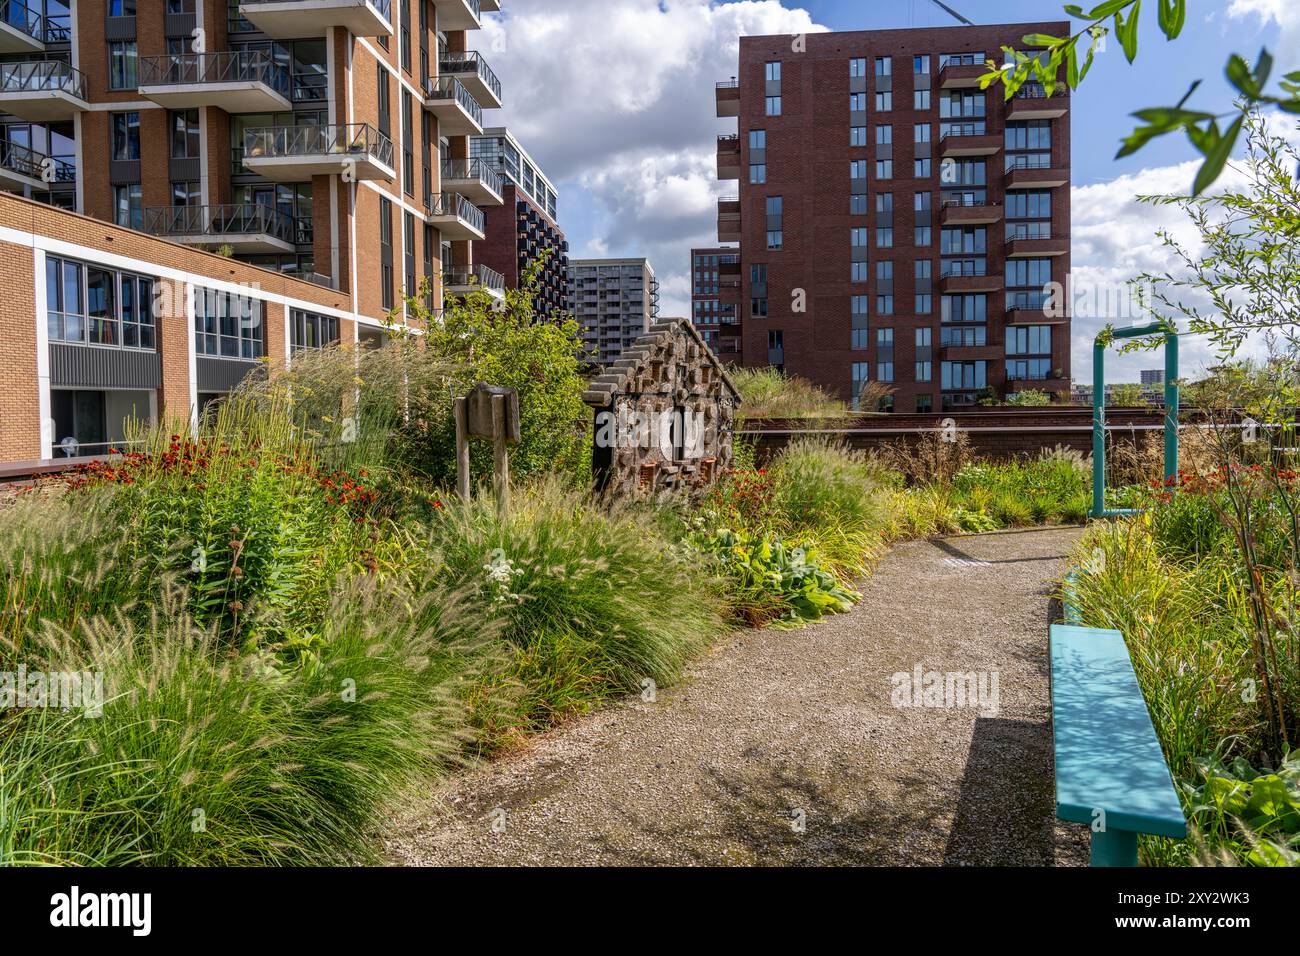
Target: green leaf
1172	15
1138	138
1239	76
1102	11
1076	11
1072	66
1216	156
1188	95
1126	30
1041	39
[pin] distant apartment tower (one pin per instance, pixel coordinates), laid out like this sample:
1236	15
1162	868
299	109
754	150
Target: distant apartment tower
715	298
1153	376
898	232
525	228
614	300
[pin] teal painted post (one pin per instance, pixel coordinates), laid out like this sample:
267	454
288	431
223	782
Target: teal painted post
1098	430
1114	848
1171	407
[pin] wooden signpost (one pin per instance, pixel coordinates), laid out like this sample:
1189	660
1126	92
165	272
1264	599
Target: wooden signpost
491	412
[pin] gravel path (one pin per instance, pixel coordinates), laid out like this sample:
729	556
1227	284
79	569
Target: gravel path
784	747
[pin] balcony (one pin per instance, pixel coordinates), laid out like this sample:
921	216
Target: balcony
729	156
971	353
462	280
21	30
729	220
969	280
450	100
1033	308
458	14
474	73
474	179
42	90
290	19
969	139
959	212
958	76
455	216
728	96
22	168
1031	172
294	154
237	82
1032	102
1036	240
245	229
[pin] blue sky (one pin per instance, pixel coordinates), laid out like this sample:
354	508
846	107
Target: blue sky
614	99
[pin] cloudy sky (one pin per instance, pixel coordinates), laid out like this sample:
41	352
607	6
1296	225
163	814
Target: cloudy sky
614	99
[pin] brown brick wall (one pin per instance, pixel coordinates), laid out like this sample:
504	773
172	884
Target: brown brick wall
173	349
20	426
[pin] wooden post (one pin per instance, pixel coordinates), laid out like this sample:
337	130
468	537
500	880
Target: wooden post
462	449
500	457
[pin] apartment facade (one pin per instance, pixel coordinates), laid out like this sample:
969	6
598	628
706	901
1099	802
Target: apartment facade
897	224
316	141
715	299
526	227
614	301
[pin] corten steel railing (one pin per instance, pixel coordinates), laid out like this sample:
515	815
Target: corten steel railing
470	61
216	222
42	76
351	139
450	88
236	66
454	204
477	169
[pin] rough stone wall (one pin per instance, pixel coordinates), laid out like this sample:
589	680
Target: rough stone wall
669	376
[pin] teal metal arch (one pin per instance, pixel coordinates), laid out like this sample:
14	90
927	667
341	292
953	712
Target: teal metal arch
1099	509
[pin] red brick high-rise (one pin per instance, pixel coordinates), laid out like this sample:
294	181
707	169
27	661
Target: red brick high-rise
896	223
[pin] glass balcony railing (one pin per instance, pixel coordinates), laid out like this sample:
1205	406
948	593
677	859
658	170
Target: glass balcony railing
25	161
236	66
42	76
472	169
453	63
16	14
216	222
475	275
353	139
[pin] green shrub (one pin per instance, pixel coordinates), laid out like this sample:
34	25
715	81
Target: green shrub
767	393
1254	816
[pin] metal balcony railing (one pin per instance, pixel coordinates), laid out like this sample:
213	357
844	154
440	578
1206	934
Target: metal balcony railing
1029	230
28	162
472	169
352	139
42	76
218	221
454	204
16	14
1036	91
470	61
477	274
1029	162
450	88
979	128
958	269
237	66
728	84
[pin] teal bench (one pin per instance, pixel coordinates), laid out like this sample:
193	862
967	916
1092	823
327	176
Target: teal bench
1107	755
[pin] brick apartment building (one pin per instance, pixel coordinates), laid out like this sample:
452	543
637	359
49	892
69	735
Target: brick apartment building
615	301
715	294
326	141
525	228
896	223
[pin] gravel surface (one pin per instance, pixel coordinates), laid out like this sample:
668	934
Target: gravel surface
786	747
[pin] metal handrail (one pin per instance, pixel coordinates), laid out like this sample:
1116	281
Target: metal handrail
217	221
17	14
349	139
384	7
448	88
1029	231
475	169
469	61
42	76
1036	91
732	83
1028	162
477	274
966	129
959	271
226	67
454	204
23	160
728	138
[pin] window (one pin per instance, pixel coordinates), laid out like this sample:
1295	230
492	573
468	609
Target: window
884	135
1029	340
921	133
1029	134
758	139
126	135
963	240
857	169
857	102
128	206
772	72
1034	369
382	99
923	236
187	193
386	253
884	169
228	325
772	106
757	173
858	272
858	204
921	66
857	136
963	308
921	168
884	355
1028	272
857	238
860	376
93	306
884	100
121	8
924	340
921	101
758	290
857	67
122	63
408	147
1029	204
185	134
775	233
955	375
307	330
963	336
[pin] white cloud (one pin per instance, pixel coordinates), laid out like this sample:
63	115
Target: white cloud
614	100
1285	14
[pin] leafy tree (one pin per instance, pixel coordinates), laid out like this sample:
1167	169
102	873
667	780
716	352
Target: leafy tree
1051	53
1029	398
483	339
1128	395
